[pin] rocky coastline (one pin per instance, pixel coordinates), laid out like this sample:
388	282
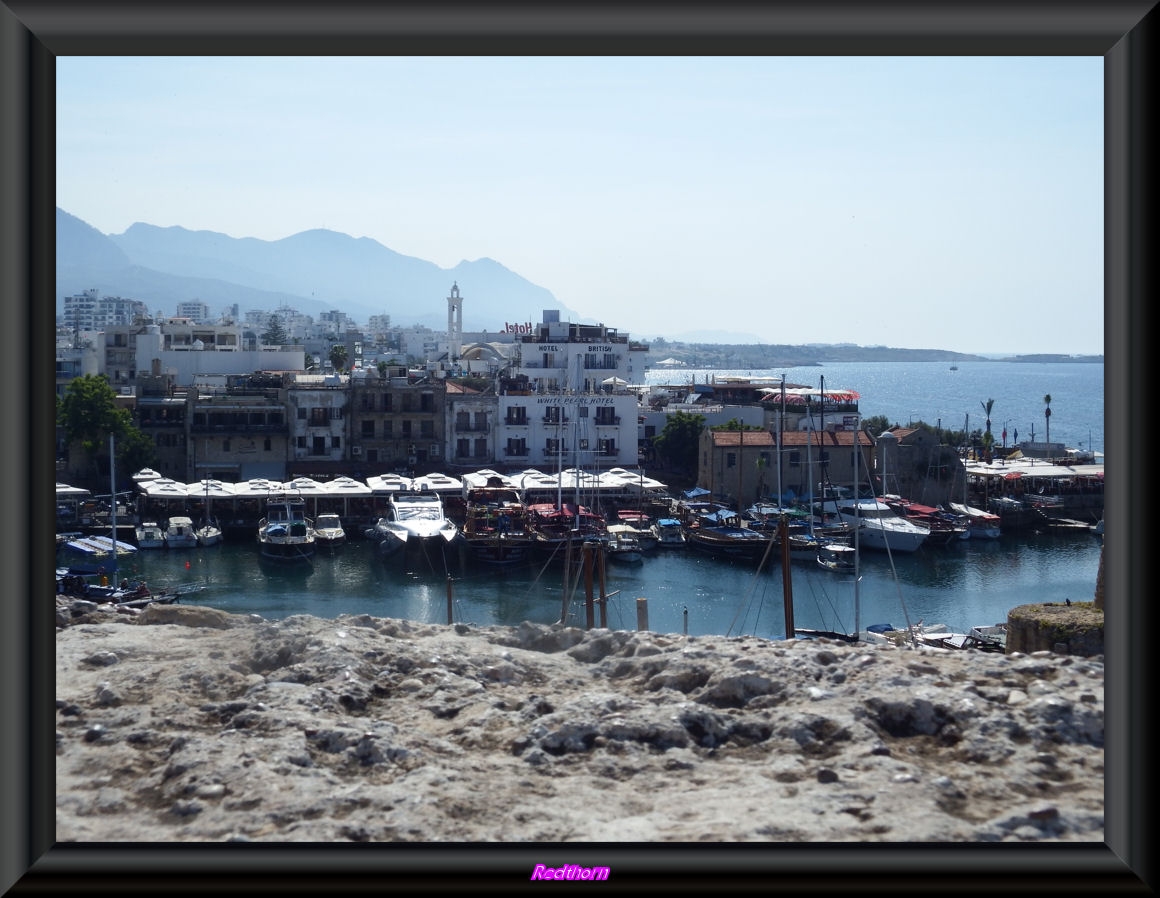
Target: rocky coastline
180	723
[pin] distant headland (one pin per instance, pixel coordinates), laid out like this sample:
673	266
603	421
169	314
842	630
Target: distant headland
766	355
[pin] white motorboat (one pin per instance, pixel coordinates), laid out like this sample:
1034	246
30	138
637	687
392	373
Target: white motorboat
980	524
414	518
837	557
328	530
179	533
150	535
880	526
670	533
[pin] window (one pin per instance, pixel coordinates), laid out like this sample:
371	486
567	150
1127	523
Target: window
795	459
730	459
388	429
267	444
301	414
368	430
336	442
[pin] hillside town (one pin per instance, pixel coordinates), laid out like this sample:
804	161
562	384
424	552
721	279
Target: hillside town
279	395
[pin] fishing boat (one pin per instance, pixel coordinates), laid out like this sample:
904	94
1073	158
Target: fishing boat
179	533
150	535
622	546
837	557
285	533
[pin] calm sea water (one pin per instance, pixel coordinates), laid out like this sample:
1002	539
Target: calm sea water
967	584
931	392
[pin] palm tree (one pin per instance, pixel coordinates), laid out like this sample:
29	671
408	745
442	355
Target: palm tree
1047	416
987	406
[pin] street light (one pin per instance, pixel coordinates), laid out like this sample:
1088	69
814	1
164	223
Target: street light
1005	423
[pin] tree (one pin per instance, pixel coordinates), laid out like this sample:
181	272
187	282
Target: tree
135	450
679	442
338	356
875	424
987	406
88	413
275	334
1047	417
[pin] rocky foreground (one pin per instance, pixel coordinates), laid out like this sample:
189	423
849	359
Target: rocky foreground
186	724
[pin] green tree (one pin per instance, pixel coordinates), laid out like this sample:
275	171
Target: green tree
275	334
135	450
679	442
987	406
88	413
338	356
382	366
875	424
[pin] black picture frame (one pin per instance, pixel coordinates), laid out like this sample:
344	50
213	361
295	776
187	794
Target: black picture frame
33	33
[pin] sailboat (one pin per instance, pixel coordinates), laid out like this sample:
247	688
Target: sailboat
209	532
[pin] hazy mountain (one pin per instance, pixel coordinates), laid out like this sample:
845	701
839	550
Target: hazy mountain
312	271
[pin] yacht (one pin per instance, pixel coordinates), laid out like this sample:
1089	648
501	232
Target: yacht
880	526
415	518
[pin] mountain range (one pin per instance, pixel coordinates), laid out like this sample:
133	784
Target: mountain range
312	271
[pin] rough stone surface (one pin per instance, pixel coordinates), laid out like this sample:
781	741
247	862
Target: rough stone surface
1075	629
188	725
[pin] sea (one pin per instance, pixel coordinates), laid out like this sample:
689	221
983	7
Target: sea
968	583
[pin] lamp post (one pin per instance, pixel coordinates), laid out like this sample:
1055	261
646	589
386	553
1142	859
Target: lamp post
1005	423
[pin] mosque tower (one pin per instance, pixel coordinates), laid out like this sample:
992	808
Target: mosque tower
454	325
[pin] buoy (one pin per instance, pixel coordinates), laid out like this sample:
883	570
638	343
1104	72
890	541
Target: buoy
187	565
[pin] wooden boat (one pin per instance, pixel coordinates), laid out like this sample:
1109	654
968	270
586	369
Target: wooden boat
724	541
557	527
495	524
285	533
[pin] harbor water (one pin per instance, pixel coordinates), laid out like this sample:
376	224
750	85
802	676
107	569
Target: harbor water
966	584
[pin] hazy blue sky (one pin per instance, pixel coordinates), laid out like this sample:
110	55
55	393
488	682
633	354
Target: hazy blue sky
924	202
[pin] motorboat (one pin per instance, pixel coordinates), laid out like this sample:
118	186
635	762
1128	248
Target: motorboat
150	535
880	527
285	533
413	518
670	533
328	530
557	526
179	533
837	557
980	524
622	545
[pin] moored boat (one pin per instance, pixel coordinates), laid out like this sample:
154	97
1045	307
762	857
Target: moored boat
179	533
495	524
670	533
724	541
150	535
328	531
413	519
285	533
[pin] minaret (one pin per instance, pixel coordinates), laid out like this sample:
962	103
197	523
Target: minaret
454	324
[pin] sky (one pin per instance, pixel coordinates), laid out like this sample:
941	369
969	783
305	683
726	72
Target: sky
916	202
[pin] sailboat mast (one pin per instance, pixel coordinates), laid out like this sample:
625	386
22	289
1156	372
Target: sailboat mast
113	500
857	550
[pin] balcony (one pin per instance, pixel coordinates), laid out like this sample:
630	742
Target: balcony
516	422
549	419
516	452
610	421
